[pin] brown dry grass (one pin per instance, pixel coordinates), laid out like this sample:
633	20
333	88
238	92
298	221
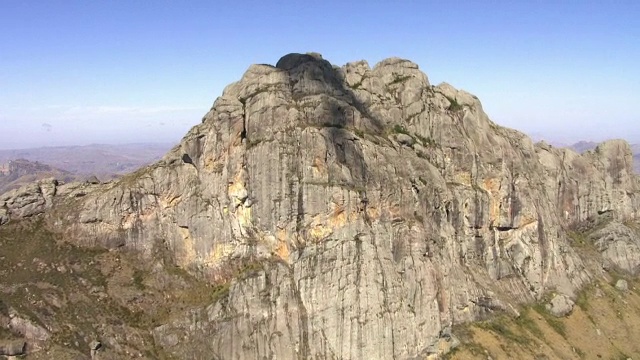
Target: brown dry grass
604	325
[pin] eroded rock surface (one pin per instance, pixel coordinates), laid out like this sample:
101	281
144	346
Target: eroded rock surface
619	245
352	212
35	198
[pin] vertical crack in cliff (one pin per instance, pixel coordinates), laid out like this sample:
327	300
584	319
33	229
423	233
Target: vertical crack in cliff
514	203
385	293
364	174
304	352
303	323
267	294
358	261
243	133
542	242
300	194
300	208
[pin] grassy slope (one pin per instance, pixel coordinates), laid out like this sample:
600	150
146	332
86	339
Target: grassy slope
604	324
82	295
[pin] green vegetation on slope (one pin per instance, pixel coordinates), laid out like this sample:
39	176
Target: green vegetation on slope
79	295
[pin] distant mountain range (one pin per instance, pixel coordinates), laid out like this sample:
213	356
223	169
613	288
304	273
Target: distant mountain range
583	146
97	159
71	163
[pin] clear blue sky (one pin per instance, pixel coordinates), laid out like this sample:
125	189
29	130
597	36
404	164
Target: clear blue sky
78	72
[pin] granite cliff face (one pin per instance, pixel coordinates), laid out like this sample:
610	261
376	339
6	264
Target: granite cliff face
354	212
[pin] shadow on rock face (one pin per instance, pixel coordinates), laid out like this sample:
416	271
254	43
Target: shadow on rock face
342	111
310	75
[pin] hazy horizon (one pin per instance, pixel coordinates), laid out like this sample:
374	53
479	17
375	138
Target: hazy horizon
559	142
128	72
115	144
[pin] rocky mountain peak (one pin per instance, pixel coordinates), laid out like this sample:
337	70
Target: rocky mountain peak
353	213
293	60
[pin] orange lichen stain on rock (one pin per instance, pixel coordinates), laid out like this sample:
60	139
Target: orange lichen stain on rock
463	178
282	235
236	189
338	217
320	232
186	253
318	168
243	214
492	185
373	213
278	244
170	201
527	221
218	252
282	251
208	163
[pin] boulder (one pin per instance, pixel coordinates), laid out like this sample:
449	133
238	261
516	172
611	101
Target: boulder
405	139
95	345
12	347
560	305
622	285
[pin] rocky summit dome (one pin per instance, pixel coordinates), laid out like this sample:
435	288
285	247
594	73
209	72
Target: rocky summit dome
351	213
